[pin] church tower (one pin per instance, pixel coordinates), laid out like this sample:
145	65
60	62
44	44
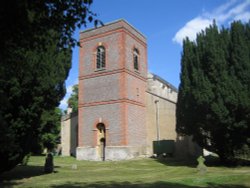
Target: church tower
112	98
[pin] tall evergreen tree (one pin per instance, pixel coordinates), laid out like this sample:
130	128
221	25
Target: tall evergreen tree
213	101
35	58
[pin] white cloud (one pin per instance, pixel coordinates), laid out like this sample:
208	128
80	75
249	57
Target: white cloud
244	17
224	14
69	89
224	7
191	29
63	104
231	12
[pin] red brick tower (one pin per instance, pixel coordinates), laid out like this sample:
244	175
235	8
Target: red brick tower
112	85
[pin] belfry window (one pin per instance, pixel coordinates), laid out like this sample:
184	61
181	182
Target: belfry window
100	58
136	59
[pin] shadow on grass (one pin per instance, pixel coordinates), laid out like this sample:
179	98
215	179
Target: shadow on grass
168	161
8	179
21	172
159	184
213	161
210	161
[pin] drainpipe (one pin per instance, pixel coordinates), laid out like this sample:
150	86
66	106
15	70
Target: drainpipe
157	120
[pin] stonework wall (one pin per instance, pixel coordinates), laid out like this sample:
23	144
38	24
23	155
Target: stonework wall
69	129
113	153
159	87
161	107
161	119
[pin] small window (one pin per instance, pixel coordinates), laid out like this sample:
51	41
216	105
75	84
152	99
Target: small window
136	59
100	58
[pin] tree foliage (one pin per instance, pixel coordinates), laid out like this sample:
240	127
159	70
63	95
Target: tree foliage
214	94
49	131
73	99
50	128
35	58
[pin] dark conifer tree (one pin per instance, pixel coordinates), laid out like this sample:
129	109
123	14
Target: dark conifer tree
35	58
213	100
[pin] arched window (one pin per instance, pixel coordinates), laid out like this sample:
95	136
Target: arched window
100	57
136	59
101	140
101	127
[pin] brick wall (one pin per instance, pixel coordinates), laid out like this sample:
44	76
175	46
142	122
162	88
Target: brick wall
130	44
101	88
115	95
136	125
87	61
136	89
92	115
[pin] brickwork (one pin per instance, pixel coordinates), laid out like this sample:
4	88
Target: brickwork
136	125
87	61
135	107
114	95
111	117
113	27
136	89
99	89
130	45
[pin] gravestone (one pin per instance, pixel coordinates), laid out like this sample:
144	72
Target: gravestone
202	168
74	167
49	165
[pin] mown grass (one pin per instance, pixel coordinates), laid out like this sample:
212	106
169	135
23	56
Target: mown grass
137	173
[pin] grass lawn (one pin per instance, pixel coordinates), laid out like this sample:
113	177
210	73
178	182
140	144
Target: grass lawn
136	173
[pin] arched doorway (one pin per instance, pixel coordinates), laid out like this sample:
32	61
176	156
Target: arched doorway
101	140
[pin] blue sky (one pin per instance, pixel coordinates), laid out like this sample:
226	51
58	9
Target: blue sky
164	23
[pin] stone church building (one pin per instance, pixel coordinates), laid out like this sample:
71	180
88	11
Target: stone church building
124	111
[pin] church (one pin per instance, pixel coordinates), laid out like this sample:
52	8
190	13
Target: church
124	111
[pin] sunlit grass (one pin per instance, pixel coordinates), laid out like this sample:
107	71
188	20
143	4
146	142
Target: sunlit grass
133	173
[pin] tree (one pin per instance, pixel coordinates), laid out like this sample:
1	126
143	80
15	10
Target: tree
73	99
214	94
51	125
49	131
35	58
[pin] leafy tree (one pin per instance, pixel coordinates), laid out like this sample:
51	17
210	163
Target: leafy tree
214	95
51	124
35	58
49	131
73	99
